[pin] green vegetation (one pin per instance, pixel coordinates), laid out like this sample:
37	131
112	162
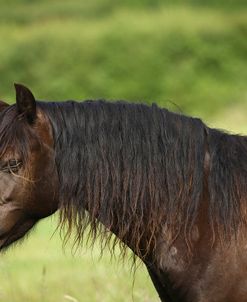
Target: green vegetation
180	54
193	56
41	270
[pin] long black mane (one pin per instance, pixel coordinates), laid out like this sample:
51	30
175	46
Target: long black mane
138	169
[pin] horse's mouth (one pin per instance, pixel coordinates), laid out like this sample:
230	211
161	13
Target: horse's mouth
18	231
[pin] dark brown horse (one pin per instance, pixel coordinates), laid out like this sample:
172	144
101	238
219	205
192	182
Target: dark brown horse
169	187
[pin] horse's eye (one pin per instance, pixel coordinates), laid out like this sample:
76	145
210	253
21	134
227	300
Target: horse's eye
12	166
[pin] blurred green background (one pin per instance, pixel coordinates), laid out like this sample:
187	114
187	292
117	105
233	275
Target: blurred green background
184	55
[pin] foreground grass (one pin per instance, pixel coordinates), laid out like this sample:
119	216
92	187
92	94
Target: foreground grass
40	270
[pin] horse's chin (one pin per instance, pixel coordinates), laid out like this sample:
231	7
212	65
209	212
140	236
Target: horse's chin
16	233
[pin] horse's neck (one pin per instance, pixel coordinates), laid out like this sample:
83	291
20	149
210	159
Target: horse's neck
90	175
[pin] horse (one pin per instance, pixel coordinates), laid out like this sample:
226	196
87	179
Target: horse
167	186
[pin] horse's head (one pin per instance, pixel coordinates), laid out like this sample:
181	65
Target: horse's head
28	178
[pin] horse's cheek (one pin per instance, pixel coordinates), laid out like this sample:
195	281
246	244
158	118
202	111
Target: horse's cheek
44	200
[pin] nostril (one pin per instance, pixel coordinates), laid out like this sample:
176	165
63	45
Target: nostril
7	199
4	200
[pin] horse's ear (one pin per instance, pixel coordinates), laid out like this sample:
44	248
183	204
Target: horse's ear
3	105
25	102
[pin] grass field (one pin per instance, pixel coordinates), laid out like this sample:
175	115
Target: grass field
181	54
41	270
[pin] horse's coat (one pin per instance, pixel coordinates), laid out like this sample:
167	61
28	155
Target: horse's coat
169	187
